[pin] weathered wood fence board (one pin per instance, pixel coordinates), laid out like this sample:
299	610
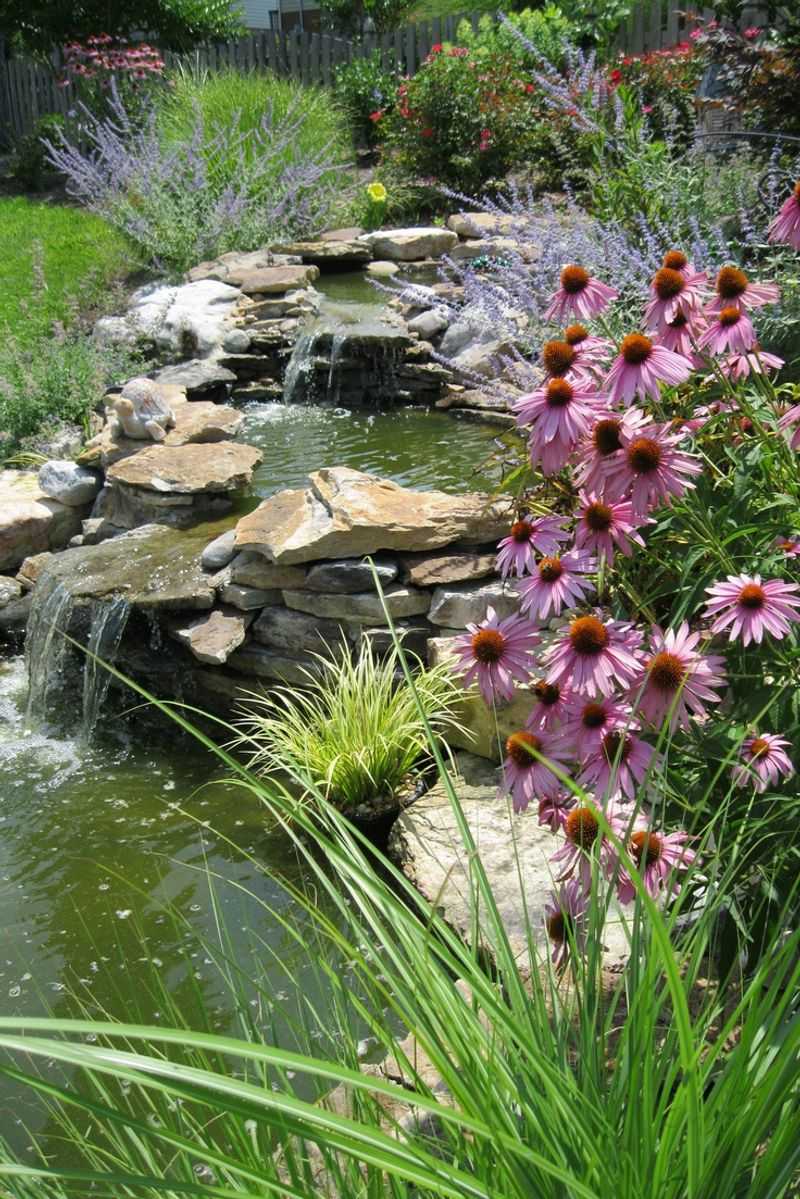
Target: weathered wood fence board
29	90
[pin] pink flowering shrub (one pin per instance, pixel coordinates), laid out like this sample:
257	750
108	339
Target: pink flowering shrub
654	558
91	66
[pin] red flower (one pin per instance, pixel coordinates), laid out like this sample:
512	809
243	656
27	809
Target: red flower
427	131
615	77
751	32
530	87
437	48
376	116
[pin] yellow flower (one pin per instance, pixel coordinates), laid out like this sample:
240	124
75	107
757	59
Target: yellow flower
377	192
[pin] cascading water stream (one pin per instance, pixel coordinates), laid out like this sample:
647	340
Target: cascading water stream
109	619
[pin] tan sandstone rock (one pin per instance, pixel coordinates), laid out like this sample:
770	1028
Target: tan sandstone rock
346	513
197	422
187	469
213	637
30	521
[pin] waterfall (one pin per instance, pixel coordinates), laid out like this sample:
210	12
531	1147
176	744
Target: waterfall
108	625
300	363
45	643
46	648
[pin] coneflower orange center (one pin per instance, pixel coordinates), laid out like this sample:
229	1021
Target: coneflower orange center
787	546
666	671
617	747
557	927
606	436
581	827
488	645
598	517
644	455
675	260
547	693
574	279
557	356
521	531
668	283
588	635
646	847
519	746
759	747
559	393
636	348
731	283
593	716
752	596
796	191
575	334
550	569
729	316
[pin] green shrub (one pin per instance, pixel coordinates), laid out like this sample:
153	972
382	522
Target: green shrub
547	29
365	91
29	167
355	732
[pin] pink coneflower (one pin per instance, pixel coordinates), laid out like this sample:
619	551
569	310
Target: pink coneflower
652	470
785	226
641	367
658	857
594	656
675	293
734	290
676	260
579	296
496	653
752	608
557	584
602	525
591	351
558	415
678	681
516	555
603	446
551	703
587	721
619	766
789	545
559	358
584	835
763	761
681	336
553	810
790	418
756	362
565	921
732	331
524	776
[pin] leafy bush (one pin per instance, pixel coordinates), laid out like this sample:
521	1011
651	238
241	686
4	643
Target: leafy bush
665	84
229	162
355	732
90	66
547	31
759	71
366	92
29	166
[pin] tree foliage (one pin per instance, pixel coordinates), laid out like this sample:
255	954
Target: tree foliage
38	26
356	16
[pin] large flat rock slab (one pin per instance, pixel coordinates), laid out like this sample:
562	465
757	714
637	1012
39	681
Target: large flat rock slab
31	521
198	422
410	245
345	513
327	251
153	567
515	852
188	469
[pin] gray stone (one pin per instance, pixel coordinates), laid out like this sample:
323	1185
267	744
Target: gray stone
349	233
253	570
266	663
409	245
212	637
345	513
458	605
14	615
248	598
10	590
515	853
236	341
429	323
349	575
199	379
382	269
482	360
188	320
473	224
282	628
68	483
365	608
413	638
325	251
31	521
436	570
219	552
231	267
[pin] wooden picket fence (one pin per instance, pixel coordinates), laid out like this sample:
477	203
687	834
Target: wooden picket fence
29	90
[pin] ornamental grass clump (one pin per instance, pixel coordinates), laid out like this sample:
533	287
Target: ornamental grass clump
184	186
353	729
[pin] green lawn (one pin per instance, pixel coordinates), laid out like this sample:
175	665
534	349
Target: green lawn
79	254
